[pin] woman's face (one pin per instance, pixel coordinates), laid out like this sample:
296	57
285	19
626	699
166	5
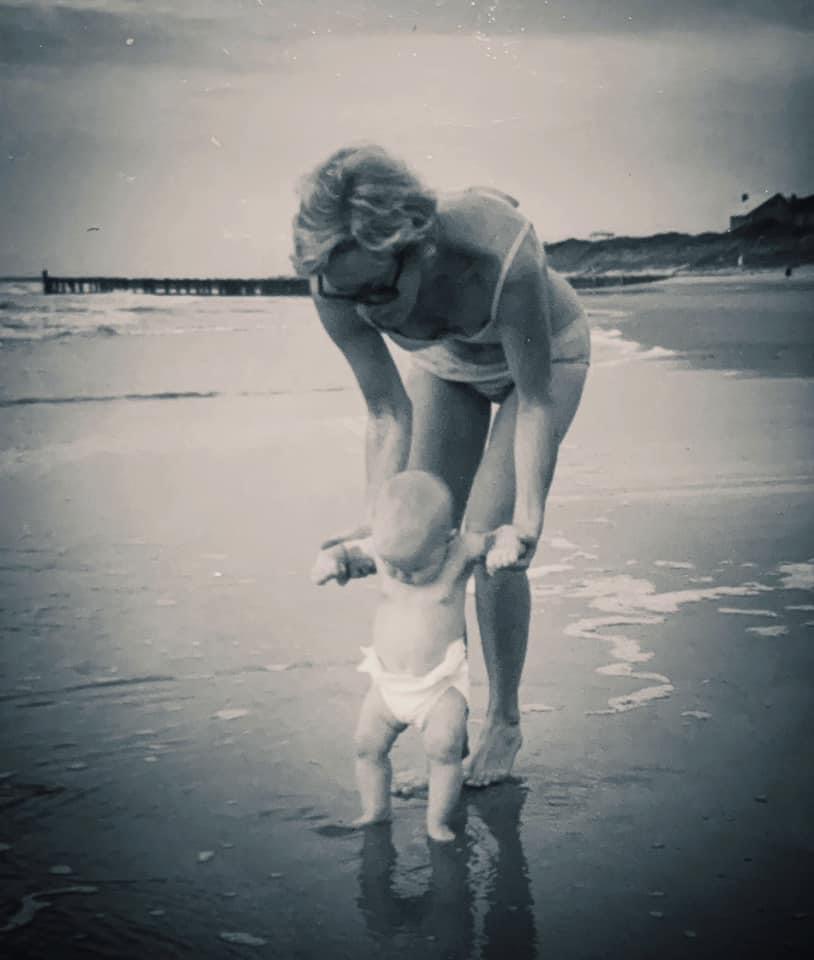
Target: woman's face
358	272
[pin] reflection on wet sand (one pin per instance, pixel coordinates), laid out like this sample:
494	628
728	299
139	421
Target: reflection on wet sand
478	898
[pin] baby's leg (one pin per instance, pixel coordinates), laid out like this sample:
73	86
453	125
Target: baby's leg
444	739
375	733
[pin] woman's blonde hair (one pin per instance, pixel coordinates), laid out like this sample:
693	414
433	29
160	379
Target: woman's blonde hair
360	195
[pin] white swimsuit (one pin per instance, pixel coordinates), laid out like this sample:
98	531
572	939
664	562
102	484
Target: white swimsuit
410	698
479	359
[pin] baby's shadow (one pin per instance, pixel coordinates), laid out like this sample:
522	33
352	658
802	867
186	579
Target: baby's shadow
485	864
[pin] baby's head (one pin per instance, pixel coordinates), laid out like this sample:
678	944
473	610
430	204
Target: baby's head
412	525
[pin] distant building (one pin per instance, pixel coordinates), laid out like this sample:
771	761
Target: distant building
601	235
791	211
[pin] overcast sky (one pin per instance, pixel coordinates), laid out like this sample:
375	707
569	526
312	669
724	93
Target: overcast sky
180	127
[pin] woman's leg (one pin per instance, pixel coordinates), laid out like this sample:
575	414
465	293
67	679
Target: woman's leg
450	425
503	601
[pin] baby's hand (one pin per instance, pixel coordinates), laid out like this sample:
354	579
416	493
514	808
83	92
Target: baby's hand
359	566
508	549
329	565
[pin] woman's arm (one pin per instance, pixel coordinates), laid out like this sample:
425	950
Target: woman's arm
389	421
524	325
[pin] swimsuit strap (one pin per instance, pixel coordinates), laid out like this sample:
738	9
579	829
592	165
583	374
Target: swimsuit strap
507	263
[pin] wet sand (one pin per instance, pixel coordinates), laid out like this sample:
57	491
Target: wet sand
724	322
177	701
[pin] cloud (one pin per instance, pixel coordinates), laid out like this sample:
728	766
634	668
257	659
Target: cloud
637	16
83	31
134	34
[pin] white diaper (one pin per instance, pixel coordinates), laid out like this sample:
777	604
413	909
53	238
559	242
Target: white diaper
410	698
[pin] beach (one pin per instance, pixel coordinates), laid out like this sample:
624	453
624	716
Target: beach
177	700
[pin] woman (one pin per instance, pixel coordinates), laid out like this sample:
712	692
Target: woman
460	281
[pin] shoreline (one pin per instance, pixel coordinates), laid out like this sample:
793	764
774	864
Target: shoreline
803	272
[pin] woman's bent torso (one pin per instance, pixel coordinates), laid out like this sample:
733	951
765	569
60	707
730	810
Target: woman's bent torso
481	235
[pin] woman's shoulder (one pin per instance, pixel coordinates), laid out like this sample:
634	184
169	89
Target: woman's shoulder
480	220
478	198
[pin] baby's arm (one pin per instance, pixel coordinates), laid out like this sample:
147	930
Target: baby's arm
476	546
344	561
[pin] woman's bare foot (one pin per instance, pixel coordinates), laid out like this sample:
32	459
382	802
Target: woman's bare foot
368	819
440	832
493	757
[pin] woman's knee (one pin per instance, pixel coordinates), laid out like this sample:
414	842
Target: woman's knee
503	598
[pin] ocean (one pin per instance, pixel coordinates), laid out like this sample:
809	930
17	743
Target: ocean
122	346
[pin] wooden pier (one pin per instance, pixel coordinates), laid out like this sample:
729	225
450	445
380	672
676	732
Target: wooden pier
167	286
269	286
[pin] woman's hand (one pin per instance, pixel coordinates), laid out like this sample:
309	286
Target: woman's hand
510	550
330	565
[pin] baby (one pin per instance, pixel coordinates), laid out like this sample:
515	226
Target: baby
417	663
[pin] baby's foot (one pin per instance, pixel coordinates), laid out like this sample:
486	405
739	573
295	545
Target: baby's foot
440	832
368	819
